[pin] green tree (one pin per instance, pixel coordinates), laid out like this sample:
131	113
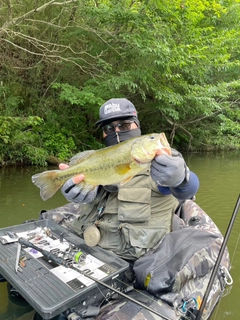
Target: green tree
178	61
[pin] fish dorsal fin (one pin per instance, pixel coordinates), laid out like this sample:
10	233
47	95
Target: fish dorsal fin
79	157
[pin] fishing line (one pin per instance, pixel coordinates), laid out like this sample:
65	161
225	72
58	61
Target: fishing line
228	290
235	249
219	258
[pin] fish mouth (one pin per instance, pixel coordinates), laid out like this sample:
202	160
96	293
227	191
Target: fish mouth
163	150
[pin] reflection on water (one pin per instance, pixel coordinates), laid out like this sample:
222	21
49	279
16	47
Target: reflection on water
20	199
219	189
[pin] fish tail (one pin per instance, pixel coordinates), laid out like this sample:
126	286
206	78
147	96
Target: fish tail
48	182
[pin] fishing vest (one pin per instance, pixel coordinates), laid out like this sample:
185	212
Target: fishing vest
132	220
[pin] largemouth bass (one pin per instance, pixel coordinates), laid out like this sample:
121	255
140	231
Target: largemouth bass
111	165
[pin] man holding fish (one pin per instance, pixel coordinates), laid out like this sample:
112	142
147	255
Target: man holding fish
128	191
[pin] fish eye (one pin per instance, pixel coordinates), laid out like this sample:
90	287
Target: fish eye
152	137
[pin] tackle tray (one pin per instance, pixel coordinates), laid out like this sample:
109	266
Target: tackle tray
49	288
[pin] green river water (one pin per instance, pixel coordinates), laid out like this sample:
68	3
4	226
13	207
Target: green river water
219	177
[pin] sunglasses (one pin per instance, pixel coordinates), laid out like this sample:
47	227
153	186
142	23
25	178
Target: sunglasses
122	126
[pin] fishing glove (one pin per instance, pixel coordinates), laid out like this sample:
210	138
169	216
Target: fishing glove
75	193
170	171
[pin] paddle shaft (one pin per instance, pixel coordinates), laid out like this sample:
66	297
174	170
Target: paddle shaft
219	258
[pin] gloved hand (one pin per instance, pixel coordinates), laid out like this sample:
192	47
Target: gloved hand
74	192
170	171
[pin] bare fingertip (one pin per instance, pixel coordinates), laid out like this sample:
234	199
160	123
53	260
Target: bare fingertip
78	178
63	166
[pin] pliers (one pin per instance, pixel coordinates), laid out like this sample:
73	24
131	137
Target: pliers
18	257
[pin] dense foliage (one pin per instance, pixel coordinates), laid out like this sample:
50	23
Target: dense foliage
177	61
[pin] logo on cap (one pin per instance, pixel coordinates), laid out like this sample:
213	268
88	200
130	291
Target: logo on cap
111	108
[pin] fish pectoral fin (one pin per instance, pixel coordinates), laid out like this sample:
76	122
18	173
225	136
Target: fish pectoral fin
122	169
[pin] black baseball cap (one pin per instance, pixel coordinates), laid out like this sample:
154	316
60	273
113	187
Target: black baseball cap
115	109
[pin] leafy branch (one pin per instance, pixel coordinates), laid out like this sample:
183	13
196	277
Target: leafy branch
51	51
14	21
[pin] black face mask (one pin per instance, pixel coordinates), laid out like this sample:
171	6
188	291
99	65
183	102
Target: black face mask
120	136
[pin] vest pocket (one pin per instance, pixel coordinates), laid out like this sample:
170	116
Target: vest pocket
134	204
138	239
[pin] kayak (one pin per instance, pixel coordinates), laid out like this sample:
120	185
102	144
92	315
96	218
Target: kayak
169	282
183	301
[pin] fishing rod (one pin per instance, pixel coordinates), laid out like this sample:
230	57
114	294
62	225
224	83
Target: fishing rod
218	261
67	264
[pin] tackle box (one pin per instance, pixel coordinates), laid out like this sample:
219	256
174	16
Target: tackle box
51	288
